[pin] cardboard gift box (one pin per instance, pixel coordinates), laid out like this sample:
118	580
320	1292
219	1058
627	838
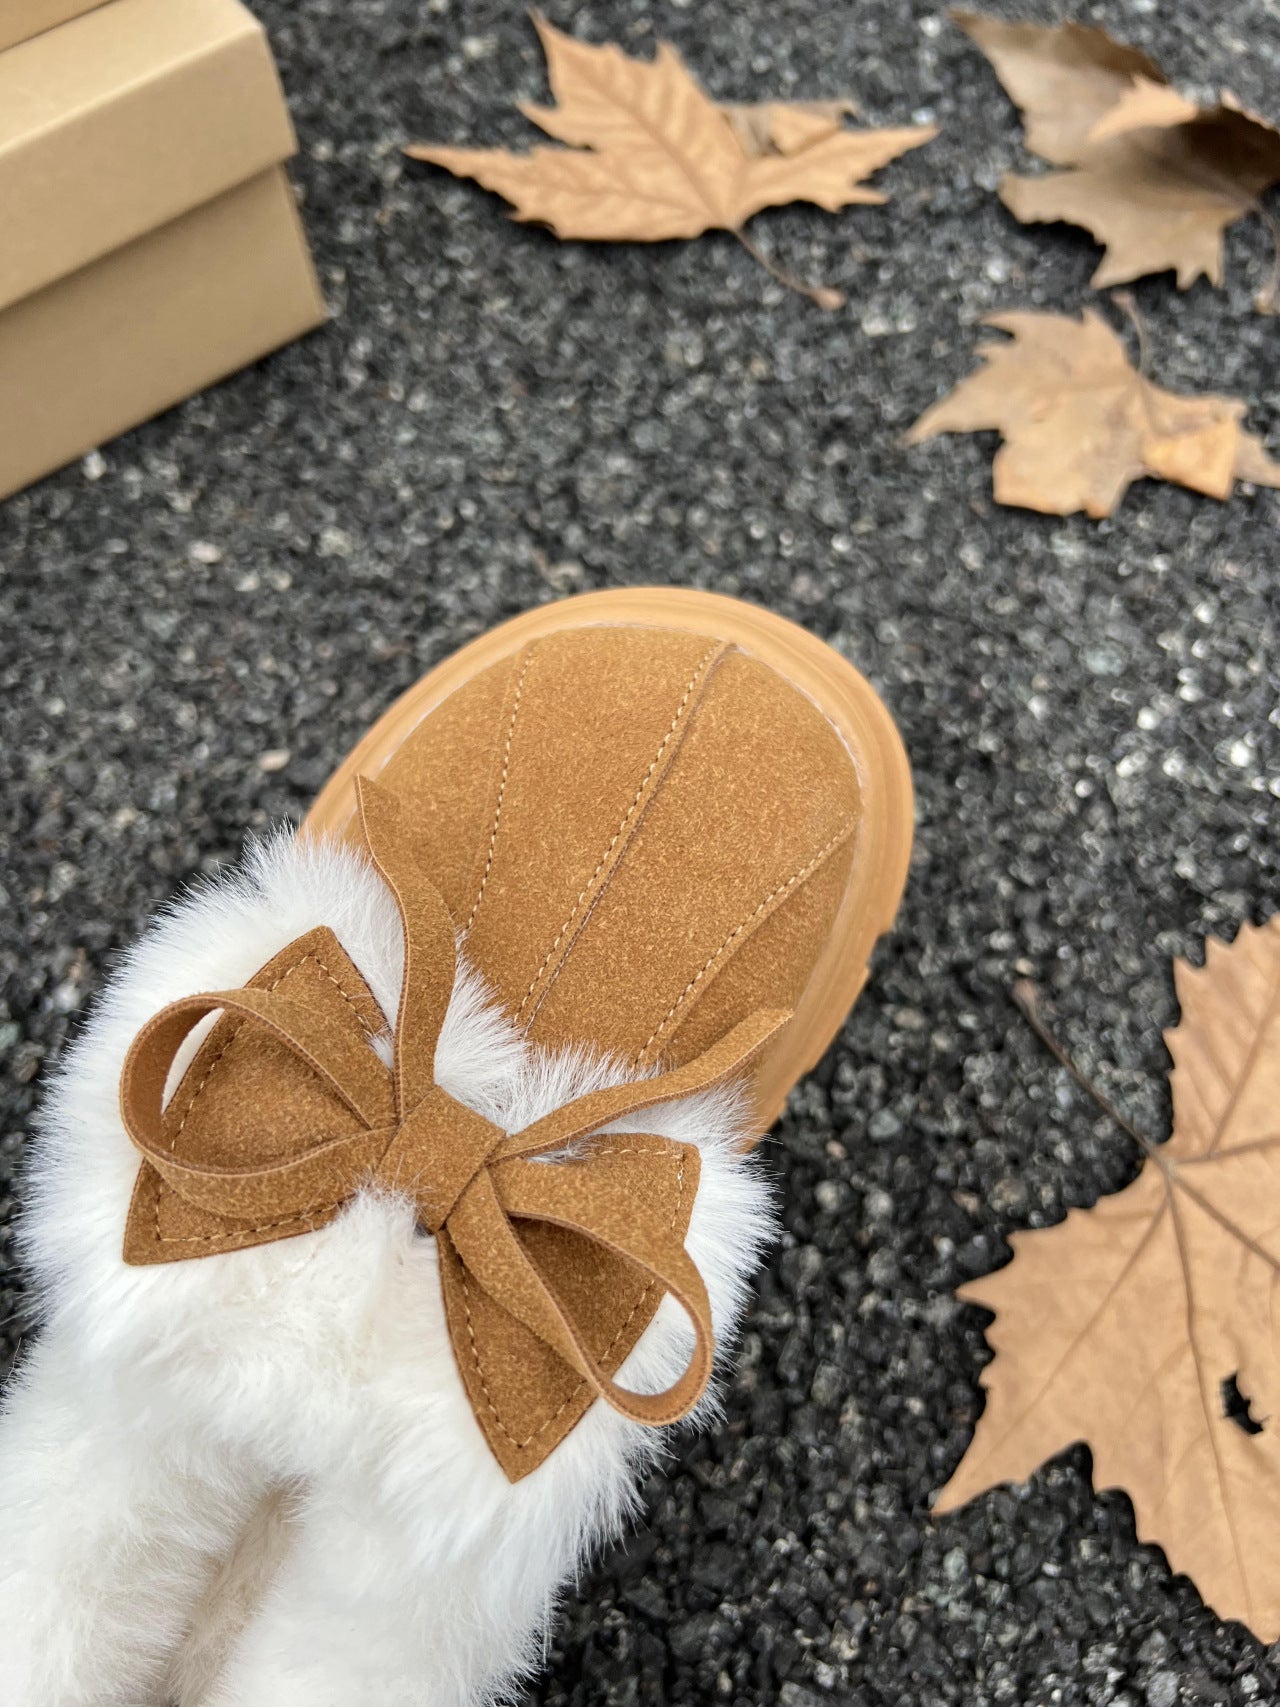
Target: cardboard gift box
22	18
149	238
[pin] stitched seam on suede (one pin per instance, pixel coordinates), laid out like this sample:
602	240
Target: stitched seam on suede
753	918
268	1226
502	790
577	1391
240	1232
697	678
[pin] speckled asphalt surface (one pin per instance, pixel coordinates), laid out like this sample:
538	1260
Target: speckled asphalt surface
197	624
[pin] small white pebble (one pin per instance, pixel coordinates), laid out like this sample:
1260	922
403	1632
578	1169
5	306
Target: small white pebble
334	542
274	759
1162	1691
203	551
94	465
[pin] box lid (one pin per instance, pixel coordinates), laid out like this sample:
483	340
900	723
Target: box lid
120	121
20	19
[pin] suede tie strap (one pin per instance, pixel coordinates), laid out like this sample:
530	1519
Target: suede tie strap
555	1244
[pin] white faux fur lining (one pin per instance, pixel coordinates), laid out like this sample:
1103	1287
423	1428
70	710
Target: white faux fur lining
163	1410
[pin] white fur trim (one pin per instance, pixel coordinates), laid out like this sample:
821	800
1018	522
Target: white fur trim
296	1409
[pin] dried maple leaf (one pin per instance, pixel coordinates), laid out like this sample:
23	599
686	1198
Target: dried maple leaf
1154	177
653	157
1136	1325
1080	423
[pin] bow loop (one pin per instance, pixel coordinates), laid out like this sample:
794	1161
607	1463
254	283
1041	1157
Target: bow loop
553	1253
430	952
582	1199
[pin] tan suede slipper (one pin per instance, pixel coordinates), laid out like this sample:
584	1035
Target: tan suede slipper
653	811
663	826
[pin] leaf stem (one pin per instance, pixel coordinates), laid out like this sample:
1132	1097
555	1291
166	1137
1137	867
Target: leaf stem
1026	998
1123	300
824	295
1267	301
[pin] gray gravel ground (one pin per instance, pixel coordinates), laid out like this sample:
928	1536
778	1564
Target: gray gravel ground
198	623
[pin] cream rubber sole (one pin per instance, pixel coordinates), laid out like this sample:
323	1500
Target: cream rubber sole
882	841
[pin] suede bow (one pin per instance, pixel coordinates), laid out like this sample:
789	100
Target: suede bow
550	1268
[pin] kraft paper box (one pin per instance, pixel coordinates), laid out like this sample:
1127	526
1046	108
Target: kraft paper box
150	243
22	18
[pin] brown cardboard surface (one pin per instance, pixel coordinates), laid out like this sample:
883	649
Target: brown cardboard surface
117	124
20	19
147	326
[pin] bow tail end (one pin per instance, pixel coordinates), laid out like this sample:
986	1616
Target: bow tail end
525	1396
163	1227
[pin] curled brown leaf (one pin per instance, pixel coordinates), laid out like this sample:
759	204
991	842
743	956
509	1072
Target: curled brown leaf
1154	177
